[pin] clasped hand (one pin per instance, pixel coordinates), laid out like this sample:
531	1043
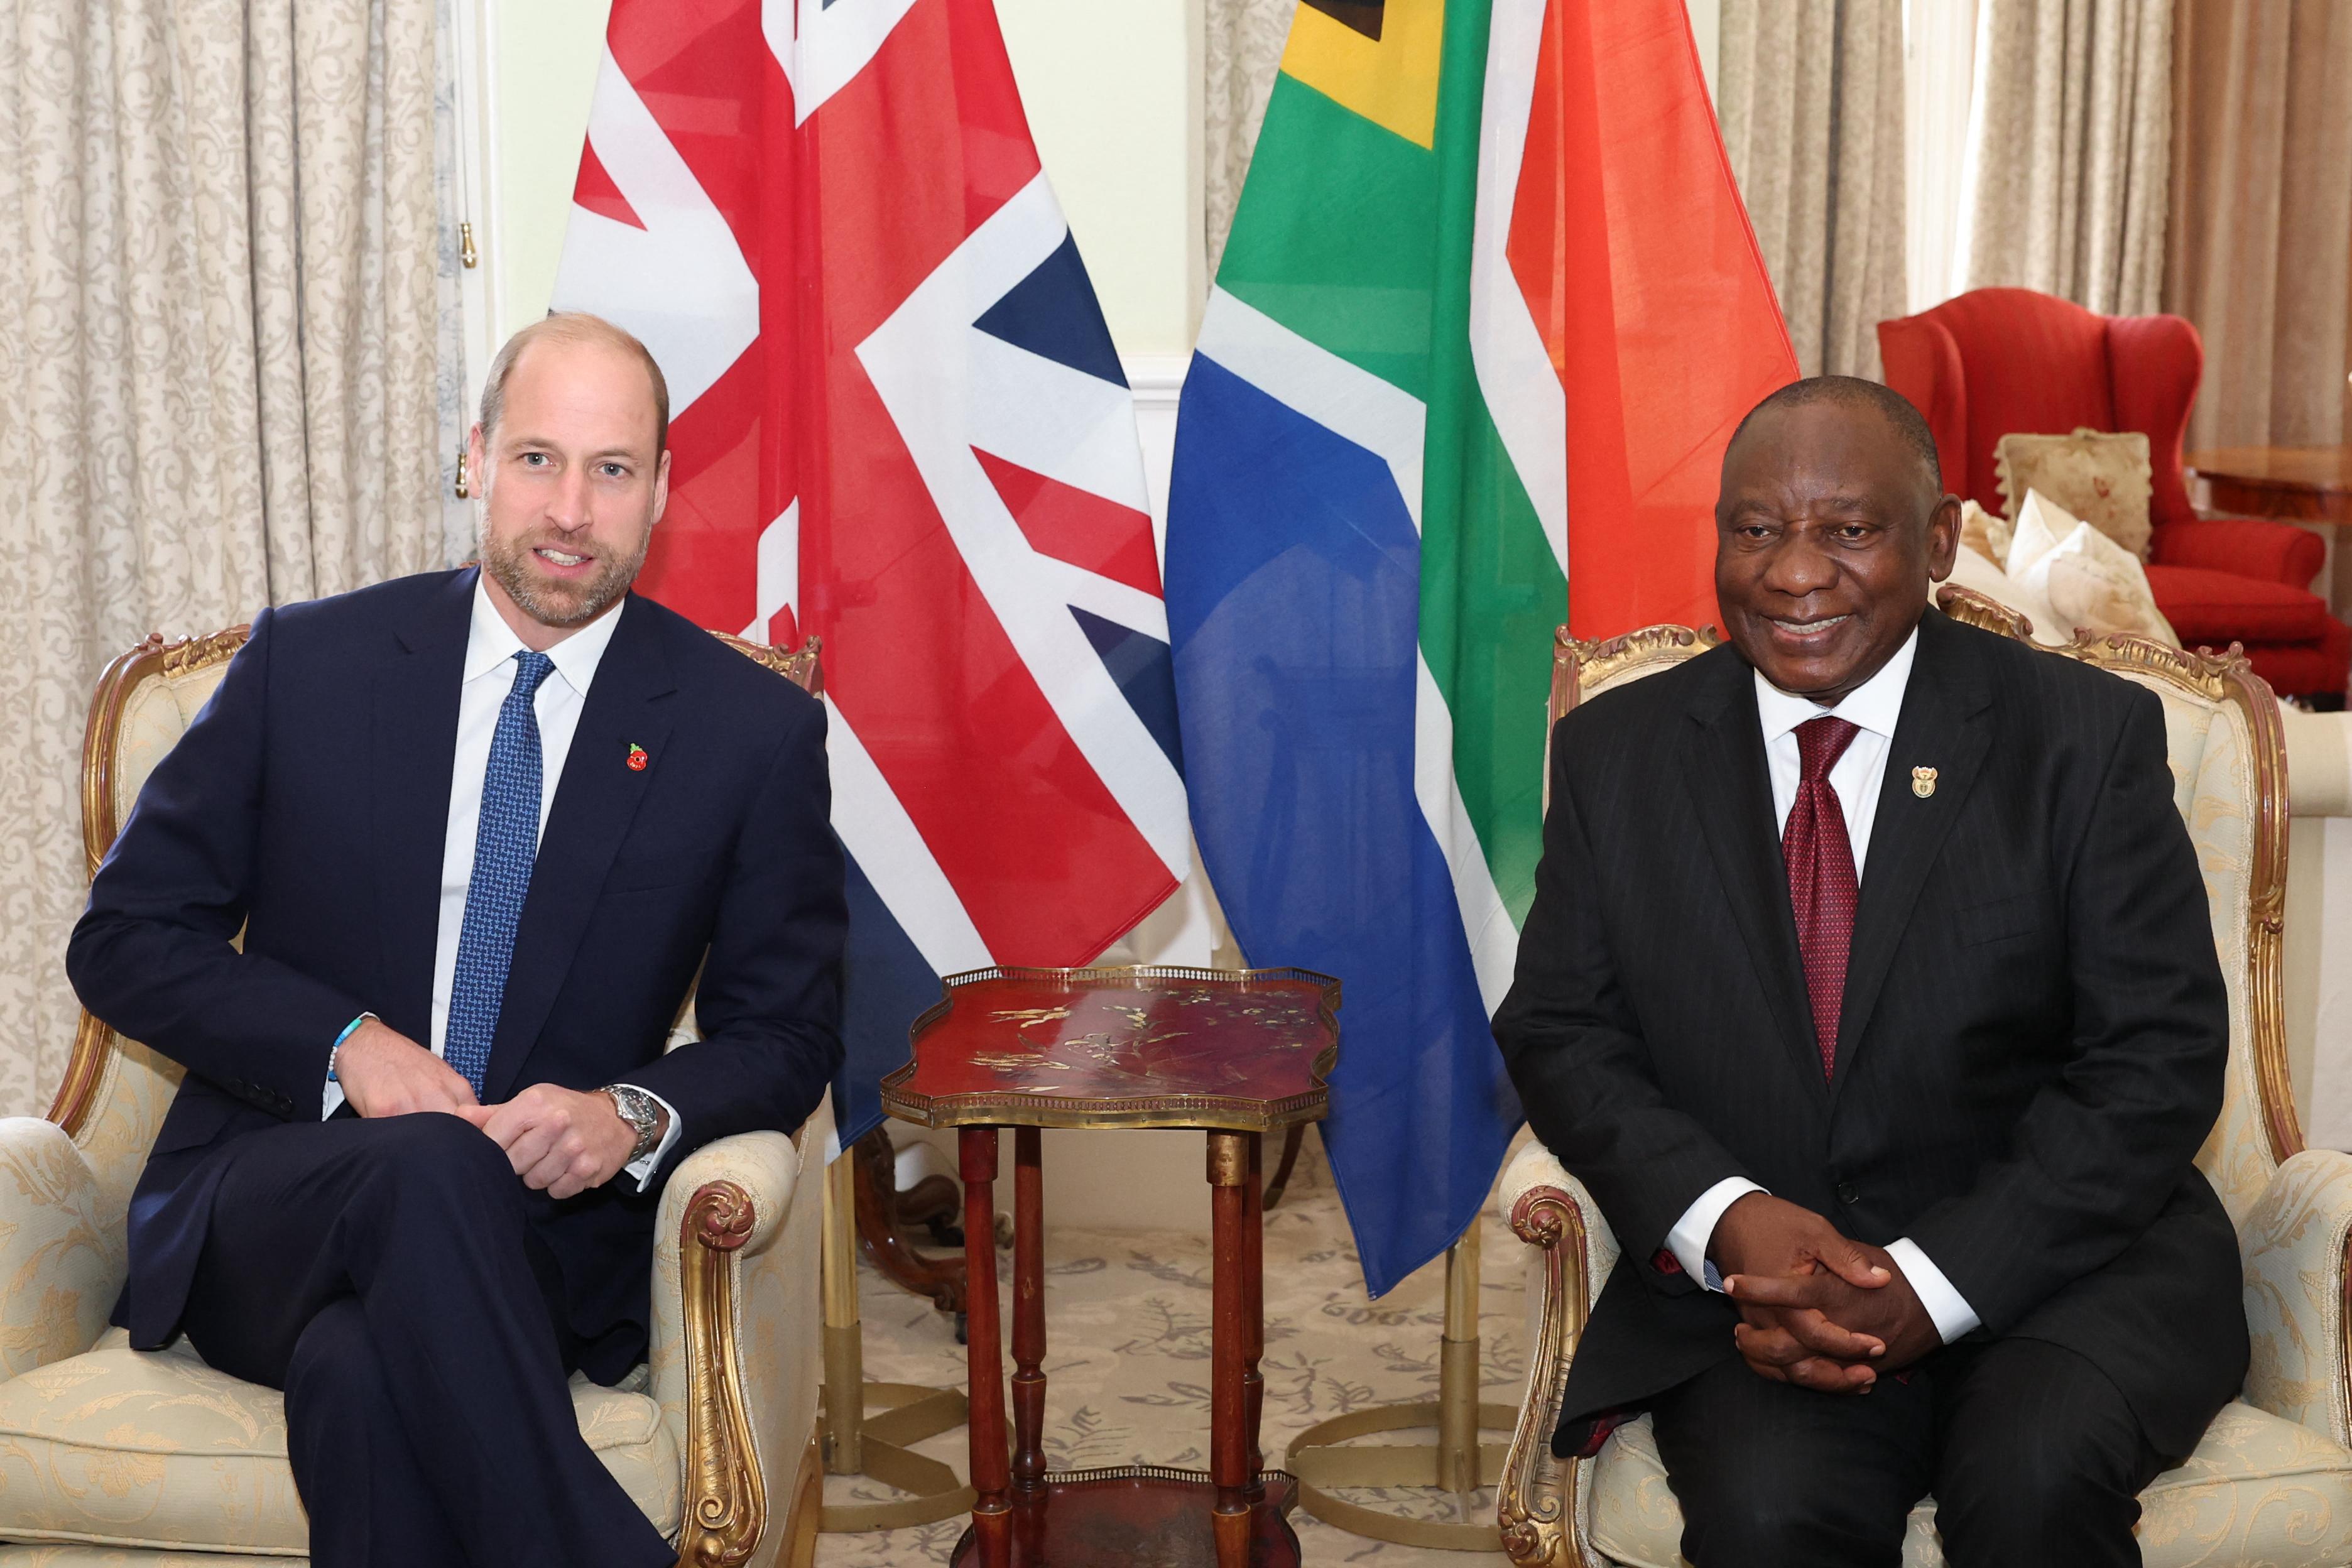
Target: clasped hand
1816	1307
559	1141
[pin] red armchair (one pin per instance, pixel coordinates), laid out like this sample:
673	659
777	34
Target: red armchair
1998	360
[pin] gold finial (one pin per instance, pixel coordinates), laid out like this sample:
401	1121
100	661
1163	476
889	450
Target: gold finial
467	256
463	492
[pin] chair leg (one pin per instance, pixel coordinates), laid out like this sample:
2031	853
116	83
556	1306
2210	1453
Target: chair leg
884	1242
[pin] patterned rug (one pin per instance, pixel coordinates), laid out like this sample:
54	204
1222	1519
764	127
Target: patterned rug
1127	1363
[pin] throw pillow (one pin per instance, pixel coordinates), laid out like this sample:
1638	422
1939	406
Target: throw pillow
1984	532
2089	580
1974	569
2102	479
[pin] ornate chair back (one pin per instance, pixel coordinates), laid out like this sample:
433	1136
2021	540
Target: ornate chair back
2227	757
116	1090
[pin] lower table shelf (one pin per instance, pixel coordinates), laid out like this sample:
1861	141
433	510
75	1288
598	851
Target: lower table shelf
1136	1515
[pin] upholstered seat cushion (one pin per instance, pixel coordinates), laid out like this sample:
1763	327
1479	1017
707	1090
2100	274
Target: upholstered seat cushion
123	1448
2221	607
2258	1489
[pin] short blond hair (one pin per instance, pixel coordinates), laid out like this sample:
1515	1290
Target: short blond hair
572	327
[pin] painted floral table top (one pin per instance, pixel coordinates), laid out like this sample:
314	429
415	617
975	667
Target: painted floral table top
1151	1047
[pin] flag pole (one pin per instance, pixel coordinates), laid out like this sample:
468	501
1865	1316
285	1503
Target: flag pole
870	1427
1458	1463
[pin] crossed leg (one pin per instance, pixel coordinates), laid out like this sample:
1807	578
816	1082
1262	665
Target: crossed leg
380	1272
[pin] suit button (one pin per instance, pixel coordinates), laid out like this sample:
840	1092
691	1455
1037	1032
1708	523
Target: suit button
1847	1193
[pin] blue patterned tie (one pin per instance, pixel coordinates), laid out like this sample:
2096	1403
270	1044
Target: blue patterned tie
506	844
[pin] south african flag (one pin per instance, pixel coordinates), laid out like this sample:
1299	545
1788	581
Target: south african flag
1489	310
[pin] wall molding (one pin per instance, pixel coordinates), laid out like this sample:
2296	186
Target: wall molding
1157	380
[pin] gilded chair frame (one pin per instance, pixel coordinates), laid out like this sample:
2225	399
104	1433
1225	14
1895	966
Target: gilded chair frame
1536	1496
726	1509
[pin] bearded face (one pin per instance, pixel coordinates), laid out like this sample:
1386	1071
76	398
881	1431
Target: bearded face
574	484
560	579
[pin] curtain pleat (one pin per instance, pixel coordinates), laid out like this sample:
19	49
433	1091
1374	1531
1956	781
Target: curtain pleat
1242	52
217	350
2070	140
2261	217
1809	96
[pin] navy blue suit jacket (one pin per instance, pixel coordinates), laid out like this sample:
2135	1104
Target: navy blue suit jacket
308	804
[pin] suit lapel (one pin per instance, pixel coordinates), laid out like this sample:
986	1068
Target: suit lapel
595	800
1723	768
415	748
1944	725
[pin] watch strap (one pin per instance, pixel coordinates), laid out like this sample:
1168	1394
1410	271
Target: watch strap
638	1110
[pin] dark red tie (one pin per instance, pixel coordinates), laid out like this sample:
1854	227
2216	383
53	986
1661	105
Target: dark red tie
1822	882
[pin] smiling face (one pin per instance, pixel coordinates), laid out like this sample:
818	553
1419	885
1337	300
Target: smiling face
1827	533
574	484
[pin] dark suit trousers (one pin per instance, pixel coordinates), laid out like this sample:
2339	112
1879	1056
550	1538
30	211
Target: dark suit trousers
383	1273
2032	1454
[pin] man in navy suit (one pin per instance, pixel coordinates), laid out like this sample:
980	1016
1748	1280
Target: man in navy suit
478	829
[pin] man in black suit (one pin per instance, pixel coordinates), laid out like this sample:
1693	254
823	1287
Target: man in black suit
1869	987
478	829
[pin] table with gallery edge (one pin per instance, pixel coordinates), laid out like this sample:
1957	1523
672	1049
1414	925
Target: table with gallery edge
1236	1053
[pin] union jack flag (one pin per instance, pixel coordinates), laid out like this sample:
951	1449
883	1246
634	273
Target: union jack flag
899	424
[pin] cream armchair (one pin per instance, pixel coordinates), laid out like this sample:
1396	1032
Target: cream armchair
111	1456
2272	1483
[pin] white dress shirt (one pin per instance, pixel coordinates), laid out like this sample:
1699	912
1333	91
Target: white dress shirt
488	677
1856	777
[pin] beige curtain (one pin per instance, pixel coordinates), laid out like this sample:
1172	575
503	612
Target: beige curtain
1242	54
1809	94
217	332
2069	149
2261	216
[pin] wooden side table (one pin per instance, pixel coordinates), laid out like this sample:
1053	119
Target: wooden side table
1237	1053
2295	484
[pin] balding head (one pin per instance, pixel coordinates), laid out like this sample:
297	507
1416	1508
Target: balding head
575	327
1853	392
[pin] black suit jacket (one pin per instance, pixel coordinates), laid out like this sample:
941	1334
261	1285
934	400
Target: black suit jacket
307	803
2032	1041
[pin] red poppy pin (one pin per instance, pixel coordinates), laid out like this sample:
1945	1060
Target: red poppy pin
637	759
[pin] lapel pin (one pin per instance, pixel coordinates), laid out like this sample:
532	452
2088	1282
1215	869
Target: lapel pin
637	760
1922	780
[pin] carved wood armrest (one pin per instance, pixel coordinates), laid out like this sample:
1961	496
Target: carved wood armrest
726	1295
1537	1494
726	1503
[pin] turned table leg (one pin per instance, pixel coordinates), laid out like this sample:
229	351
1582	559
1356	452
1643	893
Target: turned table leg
1253	1310
991	1513
1228	1438
1028	1315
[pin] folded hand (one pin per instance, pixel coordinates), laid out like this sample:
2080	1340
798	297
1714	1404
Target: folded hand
384	1073
1806	1328
559	1140
1818	1309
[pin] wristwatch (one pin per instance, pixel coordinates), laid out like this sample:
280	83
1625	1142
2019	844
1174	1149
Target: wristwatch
640	1110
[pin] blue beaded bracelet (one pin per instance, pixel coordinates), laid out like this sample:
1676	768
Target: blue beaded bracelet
349	1029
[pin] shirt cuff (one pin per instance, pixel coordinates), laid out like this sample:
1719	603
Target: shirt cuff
644	1167
1687	1241
1950	1309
